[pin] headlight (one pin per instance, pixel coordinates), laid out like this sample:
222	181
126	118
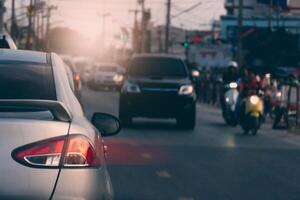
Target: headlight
195	73
254	100
233	85
186	90
131	88
278	94
118	78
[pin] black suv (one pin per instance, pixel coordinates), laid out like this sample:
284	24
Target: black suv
158	86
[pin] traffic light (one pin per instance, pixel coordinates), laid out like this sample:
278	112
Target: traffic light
186	44
124	37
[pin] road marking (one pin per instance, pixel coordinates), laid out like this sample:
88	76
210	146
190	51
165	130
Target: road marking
146	155
185	198
163	174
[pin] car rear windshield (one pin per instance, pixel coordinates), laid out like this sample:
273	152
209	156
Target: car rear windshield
162	67
19	80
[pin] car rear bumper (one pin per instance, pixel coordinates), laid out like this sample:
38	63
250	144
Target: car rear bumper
107	83
156	105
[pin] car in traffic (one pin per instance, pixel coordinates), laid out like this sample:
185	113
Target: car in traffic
73	75
83	66
48	148
108	75
158	86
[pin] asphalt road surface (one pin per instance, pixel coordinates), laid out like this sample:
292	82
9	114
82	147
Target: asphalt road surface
155	160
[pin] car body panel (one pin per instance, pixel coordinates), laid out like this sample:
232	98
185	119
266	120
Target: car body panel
24	182
91	184
18	181
156	105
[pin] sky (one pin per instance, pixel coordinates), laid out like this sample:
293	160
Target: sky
85	15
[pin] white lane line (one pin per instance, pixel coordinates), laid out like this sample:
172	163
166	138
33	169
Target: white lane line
163	174
146	155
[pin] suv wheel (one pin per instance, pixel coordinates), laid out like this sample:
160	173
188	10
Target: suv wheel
124	116
187	120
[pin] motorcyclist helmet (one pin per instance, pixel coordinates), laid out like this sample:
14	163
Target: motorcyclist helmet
232	64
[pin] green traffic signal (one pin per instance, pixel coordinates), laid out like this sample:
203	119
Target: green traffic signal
186	44
124	37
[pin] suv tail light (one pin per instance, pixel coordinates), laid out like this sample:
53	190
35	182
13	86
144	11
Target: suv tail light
68	152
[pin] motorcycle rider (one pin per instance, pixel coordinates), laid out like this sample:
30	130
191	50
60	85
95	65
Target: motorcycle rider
248	83
229	76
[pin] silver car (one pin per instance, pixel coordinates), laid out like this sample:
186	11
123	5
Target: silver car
48	149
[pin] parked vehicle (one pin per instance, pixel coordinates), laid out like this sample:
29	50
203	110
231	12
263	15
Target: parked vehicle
83	66
48	149
158	86
108	75
252	114
230	100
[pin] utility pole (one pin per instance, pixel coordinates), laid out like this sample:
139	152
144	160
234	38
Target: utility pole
142	29
104	16
29	28
270	14
135	34
42	24
13	27
240	33
168	22
2	11
48	24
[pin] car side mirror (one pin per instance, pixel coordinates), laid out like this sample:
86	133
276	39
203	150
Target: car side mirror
107	124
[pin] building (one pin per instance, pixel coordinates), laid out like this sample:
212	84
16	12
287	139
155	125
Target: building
276	16
199	47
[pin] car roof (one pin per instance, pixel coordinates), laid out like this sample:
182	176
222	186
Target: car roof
153	55
23	56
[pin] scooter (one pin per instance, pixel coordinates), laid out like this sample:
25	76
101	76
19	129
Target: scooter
230	99
252	114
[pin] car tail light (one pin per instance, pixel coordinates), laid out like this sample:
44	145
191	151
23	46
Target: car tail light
73	151
77	77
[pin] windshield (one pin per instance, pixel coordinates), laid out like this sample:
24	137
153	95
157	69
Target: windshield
107	69
161	67
26	81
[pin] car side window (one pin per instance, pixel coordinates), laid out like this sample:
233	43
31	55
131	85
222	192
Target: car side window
70	77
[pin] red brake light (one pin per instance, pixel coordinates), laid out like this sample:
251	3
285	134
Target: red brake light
77	77
80	153
48	153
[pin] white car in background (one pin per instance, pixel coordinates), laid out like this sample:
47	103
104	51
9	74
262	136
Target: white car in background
108	75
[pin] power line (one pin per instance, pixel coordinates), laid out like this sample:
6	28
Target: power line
188	9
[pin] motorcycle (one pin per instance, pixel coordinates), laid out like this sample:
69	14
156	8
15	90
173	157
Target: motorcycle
230	100
252	114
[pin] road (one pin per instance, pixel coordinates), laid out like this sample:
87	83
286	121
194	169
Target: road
154	160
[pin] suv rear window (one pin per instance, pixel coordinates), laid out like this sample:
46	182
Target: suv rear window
151	66
22	80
